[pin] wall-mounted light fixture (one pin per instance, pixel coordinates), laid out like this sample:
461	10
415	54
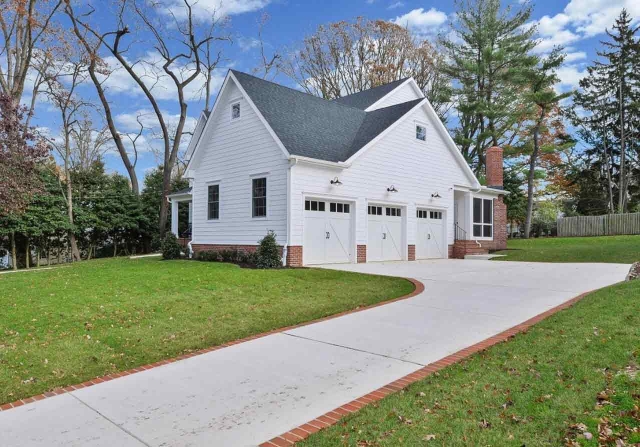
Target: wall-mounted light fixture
435	195
392	189
336	181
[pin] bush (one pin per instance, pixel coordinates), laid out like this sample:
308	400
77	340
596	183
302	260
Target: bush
268	254
156	243
170	247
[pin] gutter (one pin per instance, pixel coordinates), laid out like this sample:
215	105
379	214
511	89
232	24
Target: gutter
315	161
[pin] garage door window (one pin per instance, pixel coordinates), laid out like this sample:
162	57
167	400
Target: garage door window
483	218
375	210
394	212
339	207
314	205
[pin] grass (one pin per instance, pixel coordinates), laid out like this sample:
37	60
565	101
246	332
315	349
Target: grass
532	390
612	249
66	325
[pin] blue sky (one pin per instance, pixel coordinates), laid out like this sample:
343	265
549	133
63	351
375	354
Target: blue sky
578	25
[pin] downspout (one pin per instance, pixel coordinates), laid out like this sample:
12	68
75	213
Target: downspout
285	248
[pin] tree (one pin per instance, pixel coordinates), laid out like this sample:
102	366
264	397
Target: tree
515	201
25	24
178	49
20	152
62	81
488	56
540	94
342	58
152	195
610	96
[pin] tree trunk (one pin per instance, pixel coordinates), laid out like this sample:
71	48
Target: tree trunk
38	257
27	257
49	257
609	180
14	256
115	247
530	181
622	193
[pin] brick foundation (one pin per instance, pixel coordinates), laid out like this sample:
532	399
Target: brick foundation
411	253
450	251
362	254
294	256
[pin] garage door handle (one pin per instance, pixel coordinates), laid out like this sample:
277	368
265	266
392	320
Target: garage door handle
384	235
328	235
429	236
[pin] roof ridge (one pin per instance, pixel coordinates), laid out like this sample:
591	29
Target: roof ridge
399	81
327	101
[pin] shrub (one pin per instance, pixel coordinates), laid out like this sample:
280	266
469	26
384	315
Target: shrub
170	247
268	255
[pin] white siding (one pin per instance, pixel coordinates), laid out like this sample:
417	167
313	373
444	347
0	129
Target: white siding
416	168
231	152
401	94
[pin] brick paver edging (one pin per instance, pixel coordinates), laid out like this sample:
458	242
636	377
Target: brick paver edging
332	417
419	288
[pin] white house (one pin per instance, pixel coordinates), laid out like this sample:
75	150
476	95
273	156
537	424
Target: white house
371	176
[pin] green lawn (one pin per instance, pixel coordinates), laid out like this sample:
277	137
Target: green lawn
69	324
615	249
577	367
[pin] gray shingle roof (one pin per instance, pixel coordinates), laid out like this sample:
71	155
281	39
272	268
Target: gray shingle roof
313	127
366	98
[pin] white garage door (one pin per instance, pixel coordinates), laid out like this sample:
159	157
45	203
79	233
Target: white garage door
327	232
385	242
430	234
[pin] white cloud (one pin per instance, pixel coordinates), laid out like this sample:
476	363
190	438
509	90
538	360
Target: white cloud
162	86
570	77
247	43
575	56
220	8
581	19
421	21
395	5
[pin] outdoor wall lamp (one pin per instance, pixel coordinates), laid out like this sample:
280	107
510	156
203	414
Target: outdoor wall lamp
392	189
336	181
435	195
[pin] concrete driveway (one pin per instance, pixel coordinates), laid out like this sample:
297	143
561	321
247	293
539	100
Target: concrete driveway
246	394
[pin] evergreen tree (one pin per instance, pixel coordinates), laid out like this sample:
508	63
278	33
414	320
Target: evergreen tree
489	57
611	97
542	99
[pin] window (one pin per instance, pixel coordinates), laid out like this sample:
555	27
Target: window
424	214
213	202
394	212
375	210
482	218
339	208
259	197
235	111
421	132
313	205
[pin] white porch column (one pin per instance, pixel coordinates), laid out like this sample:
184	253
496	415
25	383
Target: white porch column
174	217
190	211
467	225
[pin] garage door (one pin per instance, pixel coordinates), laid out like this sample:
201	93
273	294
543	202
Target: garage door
385	242
430	237
327	232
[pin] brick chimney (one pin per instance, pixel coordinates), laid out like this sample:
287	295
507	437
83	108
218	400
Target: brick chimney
495	170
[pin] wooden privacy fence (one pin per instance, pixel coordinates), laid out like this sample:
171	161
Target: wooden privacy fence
607	225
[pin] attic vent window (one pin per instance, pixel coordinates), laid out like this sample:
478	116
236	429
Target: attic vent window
421	132
235	111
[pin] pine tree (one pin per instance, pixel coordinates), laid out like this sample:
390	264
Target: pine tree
611	97
542	98
489	58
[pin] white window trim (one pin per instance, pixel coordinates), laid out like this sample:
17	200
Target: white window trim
483	238
239	117
415	130
213	183
266	176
